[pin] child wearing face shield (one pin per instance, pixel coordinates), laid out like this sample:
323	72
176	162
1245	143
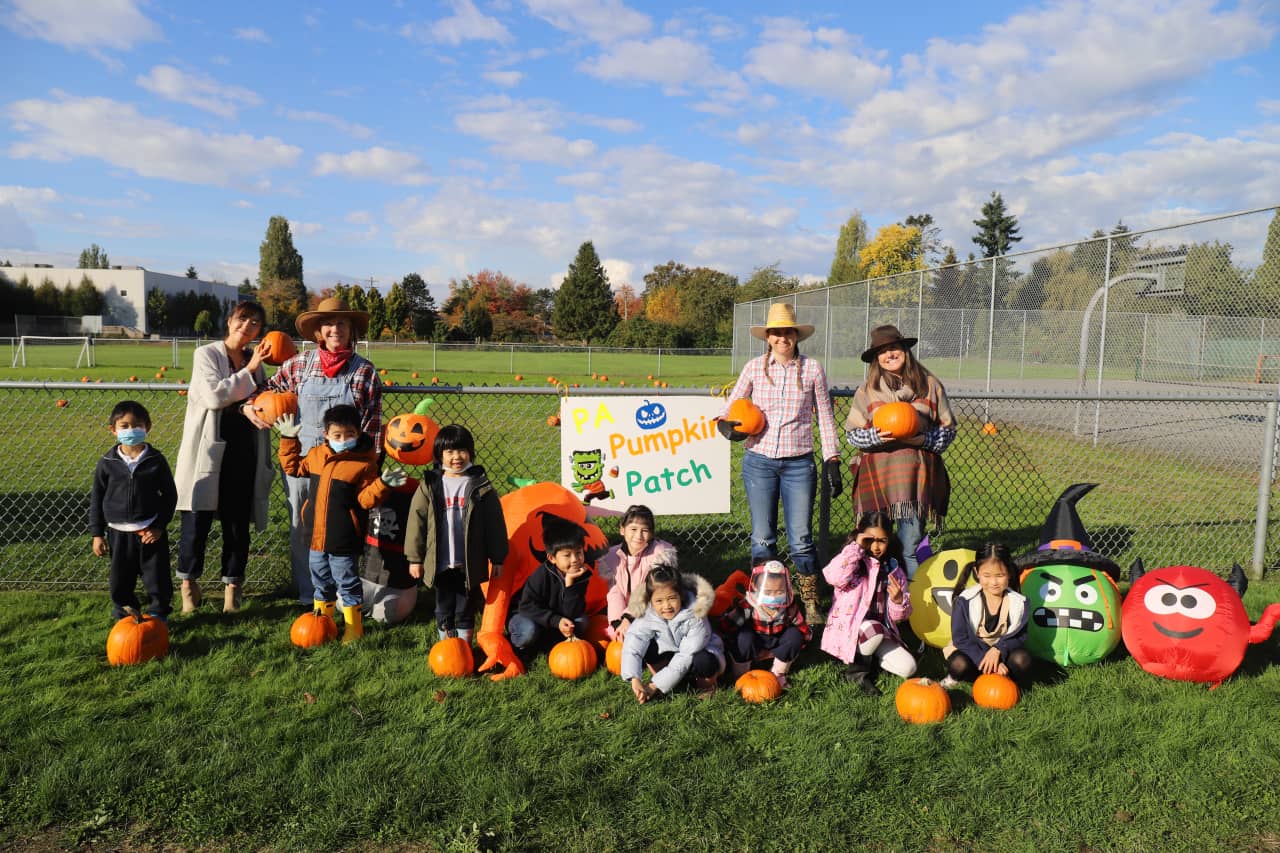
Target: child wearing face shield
132	499
670	633
870	600
768	619
344	486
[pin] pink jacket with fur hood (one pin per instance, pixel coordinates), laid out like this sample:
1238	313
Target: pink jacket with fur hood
852	599
625	573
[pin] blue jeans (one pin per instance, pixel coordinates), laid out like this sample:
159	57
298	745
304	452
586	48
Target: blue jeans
334	573
795	479
910	531
525	634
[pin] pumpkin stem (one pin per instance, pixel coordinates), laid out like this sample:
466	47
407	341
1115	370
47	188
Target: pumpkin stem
130	610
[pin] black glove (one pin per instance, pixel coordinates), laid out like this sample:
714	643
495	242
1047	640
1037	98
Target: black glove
831	474
726	429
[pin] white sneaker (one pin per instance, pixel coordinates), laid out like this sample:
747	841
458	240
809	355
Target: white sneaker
948	682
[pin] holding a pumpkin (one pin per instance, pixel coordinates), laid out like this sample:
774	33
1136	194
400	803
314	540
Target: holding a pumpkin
771	409
670	632
901	422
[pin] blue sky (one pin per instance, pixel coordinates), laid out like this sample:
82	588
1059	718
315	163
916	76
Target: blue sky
449	137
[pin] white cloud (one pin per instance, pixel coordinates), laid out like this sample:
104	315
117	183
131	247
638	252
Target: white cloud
599	20
359	217
522	130
252	34
304	229
668	61
101	25
821	62
197	90
467	23
620	272
374	164
244	204
338	123
505	79
1269	106
115	132
614	125
28	197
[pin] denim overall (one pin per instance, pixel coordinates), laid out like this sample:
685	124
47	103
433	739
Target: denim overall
316	395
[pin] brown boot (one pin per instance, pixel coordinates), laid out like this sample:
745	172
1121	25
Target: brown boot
191	596
231	598
808	587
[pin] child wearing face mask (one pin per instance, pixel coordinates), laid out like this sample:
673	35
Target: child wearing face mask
768	619
132	499
870	600
345	485
627	564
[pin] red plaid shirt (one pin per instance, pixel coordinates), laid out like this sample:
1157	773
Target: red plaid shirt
788	406
742	615
366	387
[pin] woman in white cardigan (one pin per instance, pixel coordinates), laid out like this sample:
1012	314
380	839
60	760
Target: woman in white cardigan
225	467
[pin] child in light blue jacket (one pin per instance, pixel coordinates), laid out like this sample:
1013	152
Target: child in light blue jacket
670	634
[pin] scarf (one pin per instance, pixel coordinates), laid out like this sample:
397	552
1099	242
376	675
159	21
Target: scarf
333	362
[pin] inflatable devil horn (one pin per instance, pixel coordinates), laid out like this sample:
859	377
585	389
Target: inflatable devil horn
1136	570
1237	581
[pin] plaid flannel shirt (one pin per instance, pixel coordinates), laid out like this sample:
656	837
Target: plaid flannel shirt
366	387
788	409
742	615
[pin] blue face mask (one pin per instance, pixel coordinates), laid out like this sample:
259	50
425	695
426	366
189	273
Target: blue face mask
342	446
773	600
131	437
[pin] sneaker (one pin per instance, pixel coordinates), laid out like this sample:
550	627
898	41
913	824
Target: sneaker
948	682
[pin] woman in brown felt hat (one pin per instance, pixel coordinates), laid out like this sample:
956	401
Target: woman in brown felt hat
790	389
331	374
903	478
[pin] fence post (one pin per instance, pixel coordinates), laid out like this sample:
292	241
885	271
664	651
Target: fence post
991	319
176	364
963	338
1102	339
511	360
1022	349
433	356
1264	492
919	304
660	360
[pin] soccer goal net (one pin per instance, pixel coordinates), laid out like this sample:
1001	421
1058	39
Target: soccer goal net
49	351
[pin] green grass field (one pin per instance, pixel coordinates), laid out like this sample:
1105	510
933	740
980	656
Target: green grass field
238	740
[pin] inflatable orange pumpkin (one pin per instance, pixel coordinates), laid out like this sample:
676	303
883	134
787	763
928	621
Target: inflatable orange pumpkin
748	415
410	439
899	419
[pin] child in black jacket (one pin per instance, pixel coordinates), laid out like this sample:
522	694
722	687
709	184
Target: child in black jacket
553	602
130	504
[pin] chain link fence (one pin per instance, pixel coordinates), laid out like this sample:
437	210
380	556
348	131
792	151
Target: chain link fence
1196	303
1183	478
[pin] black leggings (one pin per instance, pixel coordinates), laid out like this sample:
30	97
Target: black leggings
455	606
961	668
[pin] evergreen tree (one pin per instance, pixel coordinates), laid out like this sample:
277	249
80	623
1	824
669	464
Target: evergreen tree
377	308
945	289
585	310
997	229
246	290
94	258
421	305
1266	280
280	275
930	236
157	310
846	266
397	308
191	272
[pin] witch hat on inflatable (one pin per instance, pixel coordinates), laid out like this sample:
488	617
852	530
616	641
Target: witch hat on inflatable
1064	541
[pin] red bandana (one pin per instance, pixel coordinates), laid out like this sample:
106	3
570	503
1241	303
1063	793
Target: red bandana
333	362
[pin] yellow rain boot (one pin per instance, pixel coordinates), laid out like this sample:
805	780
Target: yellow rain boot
355	624
326	608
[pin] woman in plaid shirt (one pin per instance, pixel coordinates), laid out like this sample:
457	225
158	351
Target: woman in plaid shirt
790	389
331	374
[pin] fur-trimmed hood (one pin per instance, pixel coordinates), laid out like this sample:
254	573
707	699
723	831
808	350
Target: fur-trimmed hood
696	593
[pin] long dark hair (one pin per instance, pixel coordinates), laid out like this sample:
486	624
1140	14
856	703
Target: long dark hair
876	518
997	551
913	374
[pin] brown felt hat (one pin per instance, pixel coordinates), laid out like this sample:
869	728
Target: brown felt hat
332	308
886	336
782	315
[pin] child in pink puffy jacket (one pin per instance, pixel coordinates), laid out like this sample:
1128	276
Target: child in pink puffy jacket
870	600
627	564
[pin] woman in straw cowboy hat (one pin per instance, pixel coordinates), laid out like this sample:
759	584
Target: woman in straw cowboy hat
790	389
331	374
903	478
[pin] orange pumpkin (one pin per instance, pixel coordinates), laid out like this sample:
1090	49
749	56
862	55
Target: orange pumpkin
572	659
312	629
410	439
278	347
613	657
273	405
451	658
758	685
137	639
61	404
920	700
989	428
899	419
553	420
748	415
996	691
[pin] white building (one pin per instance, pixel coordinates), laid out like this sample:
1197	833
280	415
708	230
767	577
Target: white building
124	289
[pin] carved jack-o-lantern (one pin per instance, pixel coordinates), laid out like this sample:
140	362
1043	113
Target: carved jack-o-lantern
651	415
410	438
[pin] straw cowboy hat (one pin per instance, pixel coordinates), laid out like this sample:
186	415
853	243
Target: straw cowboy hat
781	316
886	336
332	308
